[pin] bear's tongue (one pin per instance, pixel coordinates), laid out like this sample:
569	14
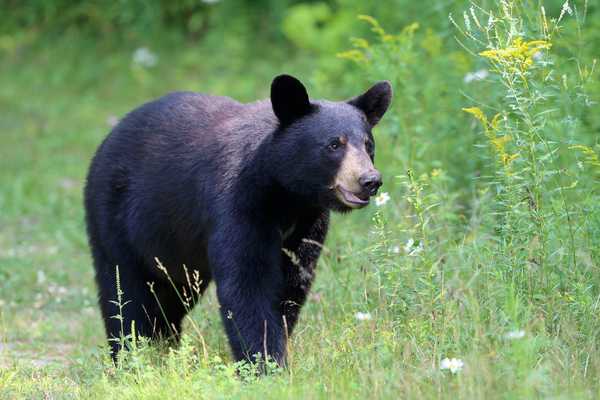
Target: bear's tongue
351	197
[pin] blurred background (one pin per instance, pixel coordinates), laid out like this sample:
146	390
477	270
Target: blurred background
70	69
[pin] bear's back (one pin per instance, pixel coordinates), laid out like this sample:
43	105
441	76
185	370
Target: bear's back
161	170
189	121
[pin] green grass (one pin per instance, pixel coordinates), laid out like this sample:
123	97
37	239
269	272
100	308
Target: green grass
469	248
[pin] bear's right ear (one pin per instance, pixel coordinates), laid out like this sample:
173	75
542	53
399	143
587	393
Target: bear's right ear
289	99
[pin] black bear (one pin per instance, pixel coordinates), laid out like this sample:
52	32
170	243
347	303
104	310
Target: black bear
238	193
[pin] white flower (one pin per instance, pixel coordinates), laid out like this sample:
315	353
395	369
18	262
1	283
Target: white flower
467	21
382	199
112	121
41	277
395	249
59	290
566	8
416	250
362	316
410	249
512	335
143	57
455	365
476	76
490	23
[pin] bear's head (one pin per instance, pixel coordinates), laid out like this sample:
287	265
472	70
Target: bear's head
324	151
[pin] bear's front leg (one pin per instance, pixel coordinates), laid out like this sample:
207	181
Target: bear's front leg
245	260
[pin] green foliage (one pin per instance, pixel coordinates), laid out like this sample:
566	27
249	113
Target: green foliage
485	248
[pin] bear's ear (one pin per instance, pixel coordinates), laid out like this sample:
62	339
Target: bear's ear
374	102
289	99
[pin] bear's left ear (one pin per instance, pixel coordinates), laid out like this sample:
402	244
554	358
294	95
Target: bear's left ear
374	102
289	99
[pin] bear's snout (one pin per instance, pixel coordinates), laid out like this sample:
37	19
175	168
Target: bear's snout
370	182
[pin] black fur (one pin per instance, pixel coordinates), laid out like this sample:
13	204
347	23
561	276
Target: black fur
240	193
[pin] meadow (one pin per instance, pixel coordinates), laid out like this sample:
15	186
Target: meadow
475	276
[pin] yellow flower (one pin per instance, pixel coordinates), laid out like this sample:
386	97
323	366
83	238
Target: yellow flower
500	141
519	54
353	55
359	43
490	128
477	113
508	158
591	158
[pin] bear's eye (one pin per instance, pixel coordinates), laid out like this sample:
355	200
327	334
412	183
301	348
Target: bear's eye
335	144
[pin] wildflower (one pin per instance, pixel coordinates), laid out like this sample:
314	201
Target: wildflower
498	142
353	55
455	365
382	199
478	75
436	172
143	57
65	183
409	244
410	249
360	43
416	250
362	316
490	23
513	335
376	27
477	113
566	8
41	277
467	21
519	54
396	249
112	121
57	290
591	157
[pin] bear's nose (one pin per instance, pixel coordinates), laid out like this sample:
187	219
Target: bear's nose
370	181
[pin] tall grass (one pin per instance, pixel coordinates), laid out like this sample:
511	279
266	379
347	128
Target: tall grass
515	260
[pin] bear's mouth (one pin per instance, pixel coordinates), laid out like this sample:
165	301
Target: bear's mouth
354	200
